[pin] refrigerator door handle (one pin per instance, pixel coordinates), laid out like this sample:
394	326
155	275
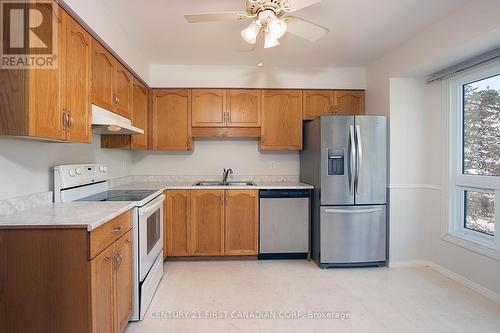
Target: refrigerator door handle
359	151
352	211
352	159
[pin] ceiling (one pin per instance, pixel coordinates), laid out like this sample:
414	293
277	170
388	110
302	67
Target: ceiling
360	31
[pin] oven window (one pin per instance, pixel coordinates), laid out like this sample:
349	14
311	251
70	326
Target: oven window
153	223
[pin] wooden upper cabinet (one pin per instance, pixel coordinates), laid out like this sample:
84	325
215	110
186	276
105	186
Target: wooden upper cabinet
281	120
140	115
123	86
77	72
124	281
172	119
177	224
243	108
349	102
103	292
317	103
207	222
103	76
209	107
241	222
51	104
45	113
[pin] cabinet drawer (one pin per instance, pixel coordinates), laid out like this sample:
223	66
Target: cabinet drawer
108	233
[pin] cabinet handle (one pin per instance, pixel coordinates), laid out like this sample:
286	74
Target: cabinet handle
334	109
117	261
116	229
65	121
70	120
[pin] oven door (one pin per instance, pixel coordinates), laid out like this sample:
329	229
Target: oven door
150	234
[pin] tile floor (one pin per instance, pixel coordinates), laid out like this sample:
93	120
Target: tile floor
242	296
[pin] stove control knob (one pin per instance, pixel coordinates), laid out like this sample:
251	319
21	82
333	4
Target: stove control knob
105	169
78	171
101	168
71	172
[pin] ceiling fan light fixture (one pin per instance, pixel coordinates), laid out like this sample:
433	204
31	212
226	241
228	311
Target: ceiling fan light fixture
276	27
270	41
250	34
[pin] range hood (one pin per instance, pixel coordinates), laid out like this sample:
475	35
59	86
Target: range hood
106	122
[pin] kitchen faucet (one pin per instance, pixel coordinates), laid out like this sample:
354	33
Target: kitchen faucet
225	176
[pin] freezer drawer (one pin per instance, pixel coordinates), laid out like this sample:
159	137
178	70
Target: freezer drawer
352	234
284	225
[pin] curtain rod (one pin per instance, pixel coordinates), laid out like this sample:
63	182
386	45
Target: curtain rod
463	66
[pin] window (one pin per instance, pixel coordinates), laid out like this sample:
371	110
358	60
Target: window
474	186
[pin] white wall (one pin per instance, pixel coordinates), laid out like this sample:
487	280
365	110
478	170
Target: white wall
211	156
254	77
417	118
26	166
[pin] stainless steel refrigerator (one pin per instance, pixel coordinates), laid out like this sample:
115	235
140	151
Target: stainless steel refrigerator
345	158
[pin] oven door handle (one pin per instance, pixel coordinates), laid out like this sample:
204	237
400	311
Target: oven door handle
152	206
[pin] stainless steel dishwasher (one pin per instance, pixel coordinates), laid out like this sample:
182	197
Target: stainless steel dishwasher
284	224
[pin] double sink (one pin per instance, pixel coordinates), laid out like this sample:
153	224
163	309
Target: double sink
228	183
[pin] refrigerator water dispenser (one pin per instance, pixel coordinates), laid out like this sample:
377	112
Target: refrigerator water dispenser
335	162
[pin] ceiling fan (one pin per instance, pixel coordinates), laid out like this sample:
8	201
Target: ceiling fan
268	16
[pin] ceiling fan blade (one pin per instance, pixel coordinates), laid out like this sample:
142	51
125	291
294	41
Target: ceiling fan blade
212	17
294	5
305	29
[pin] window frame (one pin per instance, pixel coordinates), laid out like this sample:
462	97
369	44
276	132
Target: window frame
458	182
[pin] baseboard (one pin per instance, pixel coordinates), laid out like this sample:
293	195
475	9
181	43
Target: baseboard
489	294
409	263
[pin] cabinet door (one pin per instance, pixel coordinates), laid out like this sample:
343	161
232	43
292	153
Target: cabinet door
44	98
241	222
281	120
207	222
124	281
349	103
103	291
317	103
140	115
103	72
209	107
123	86
243	108
172	119
177	241
77	73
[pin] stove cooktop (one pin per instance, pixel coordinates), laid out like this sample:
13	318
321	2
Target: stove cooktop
119	195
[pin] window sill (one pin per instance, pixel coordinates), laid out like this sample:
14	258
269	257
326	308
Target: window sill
472	246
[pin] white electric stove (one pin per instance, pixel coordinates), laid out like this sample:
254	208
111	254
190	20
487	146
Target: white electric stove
89	182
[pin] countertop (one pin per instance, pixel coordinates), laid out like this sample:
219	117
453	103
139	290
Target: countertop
89	215
188	185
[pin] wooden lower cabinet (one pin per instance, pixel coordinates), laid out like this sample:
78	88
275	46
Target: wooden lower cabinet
102	277
207	222
177	224
211	223
241	222
124	281
52	282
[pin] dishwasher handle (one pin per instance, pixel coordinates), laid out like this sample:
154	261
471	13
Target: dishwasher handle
282	193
